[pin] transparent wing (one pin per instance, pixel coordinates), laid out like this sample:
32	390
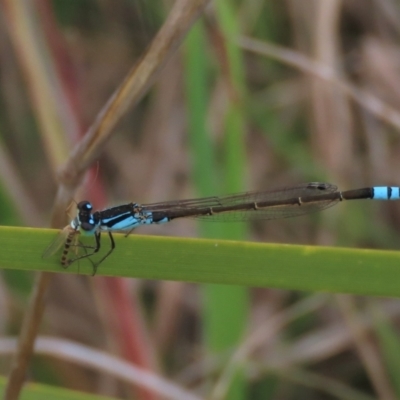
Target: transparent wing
304	191
58	241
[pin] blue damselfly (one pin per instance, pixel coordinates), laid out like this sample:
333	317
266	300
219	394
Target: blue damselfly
264	205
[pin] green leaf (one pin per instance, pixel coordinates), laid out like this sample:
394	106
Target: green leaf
310	268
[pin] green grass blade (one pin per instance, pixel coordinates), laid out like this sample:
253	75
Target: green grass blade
229	307
310	268
197	97
225	307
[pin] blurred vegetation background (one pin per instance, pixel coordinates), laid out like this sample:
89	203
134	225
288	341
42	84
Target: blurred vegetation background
262	94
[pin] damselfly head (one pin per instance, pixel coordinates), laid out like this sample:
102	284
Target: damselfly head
85	206
85	221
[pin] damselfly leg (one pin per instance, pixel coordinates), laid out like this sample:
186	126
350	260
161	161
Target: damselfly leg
95	249
68	238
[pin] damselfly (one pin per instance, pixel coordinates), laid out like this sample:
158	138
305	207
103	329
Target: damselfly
281	203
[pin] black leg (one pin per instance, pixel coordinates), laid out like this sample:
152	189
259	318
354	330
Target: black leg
83	246
96	248
95	265
129	232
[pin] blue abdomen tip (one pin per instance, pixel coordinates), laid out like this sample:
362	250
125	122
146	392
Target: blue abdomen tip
386	193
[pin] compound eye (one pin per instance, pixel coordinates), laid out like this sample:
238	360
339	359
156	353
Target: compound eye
85	206
88	226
